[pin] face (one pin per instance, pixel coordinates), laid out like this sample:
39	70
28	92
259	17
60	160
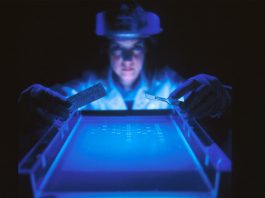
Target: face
126	59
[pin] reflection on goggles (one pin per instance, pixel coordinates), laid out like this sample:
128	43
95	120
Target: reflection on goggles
116	50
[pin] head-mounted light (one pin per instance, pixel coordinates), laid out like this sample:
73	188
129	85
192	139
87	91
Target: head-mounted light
127	22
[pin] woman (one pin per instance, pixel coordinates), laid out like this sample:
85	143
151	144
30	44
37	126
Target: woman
128	30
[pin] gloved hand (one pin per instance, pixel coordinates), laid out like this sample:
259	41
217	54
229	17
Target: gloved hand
204	95
40	106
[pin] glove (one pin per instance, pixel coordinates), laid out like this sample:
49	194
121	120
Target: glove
204	95
40	106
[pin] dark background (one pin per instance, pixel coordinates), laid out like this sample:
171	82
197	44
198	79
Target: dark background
55	42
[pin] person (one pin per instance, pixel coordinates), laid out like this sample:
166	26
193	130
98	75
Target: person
129	30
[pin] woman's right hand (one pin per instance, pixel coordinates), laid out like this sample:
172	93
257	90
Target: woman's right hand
41	106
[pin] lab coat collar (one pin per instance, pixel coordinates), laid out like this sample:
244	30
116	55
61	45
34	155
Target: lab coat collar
115	98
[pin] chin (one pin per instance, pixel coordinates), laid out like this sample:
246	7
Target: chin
128	79
128	76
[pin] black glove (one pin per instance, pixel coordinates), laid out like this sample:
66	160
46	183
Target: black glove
204	96
40	106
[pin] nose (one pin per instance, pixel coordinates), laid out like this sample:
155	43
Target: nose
127	55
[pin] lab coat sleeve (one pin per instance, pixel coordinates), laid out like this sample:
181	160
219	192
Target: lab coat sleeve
76	85
173	77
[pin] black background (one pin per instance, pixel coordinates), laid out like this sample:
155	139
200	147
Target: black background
55	42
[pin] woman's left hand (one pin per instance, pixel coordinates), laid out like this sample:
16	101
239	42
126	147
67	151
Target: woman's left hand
204	95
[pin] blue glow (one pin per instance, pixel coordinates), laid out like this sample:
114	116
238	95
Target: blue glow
126	153
126	144
134	194
220	161
131	156
126	35
151	27
58	157
200	169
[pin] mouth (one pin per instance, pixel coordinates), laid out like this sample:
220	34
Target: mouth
127	70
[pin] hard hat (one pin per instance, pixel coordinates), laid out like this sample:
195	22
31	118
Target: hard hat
127	22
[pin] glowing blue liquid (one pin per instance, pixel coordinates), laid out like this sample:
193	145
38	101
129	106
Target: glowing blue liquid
126	153
126	144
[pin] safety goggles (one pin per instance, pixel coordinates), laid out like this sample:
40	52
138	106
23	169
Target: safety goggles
119	51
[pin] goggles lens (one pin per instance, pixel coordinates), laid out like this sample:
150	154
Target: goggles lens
117	50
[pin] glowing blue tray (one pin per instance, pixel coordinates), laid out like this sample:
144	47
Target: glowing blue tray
126	154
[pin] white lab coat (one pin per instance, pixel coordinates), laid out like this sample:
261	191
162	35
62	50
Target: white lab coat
161	85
